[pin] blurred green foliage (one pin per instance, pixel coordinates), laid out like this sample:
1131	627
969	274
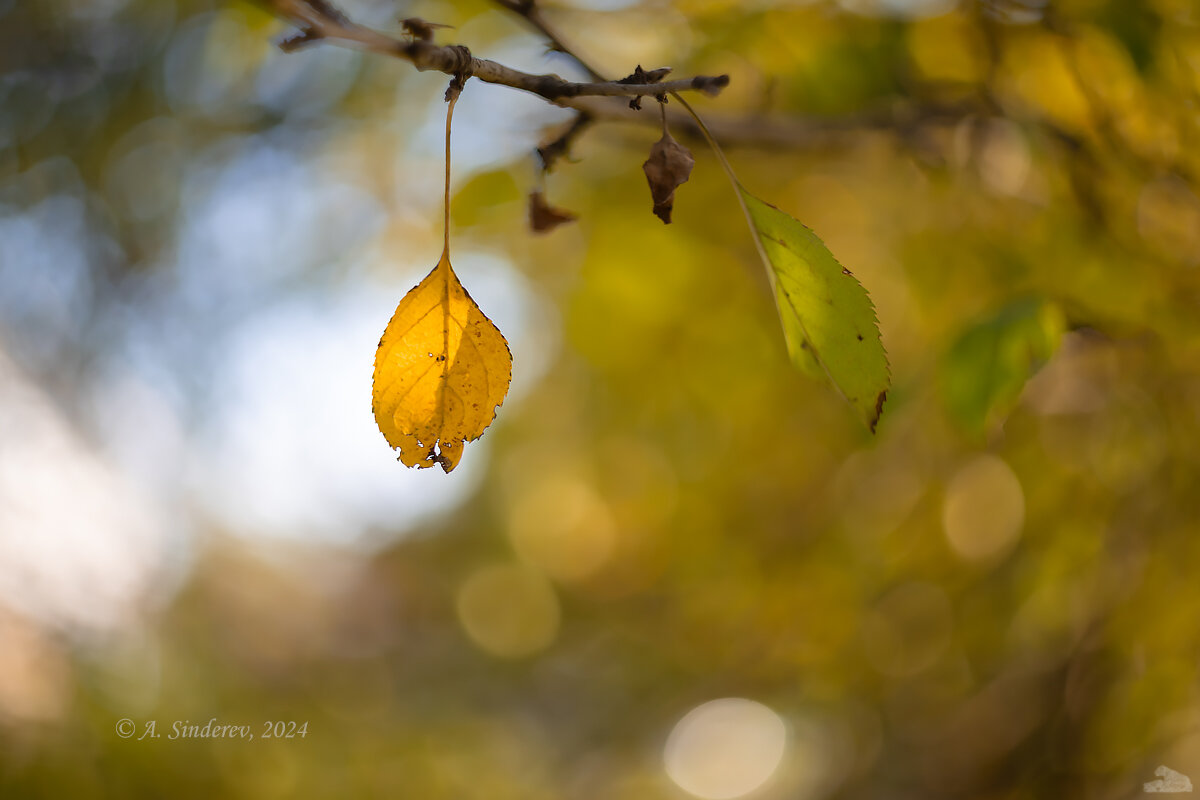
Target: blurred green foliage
992	597
986	368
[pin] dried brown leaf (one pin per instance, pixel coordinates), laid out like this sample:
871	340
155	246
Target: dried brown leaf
544	217
421	30
641	76
668	166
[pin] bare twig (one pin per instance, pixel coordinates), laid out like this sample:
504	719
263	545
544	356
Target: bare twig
560	145
319	19
528	11
795	131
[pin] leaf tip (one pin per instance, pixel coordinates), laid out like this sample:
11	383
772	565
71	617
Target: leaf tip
879	401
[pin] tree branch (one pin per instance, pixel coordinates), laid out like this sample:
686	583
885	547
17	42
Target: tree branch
318	19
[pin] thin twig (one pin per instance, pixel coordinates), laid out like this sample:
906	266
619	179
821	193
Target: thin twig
794	131
560	145
318	19
528	10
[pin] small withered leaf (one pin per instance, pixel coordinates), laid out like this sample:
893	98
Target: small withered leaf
640	76
419	29
669	165
544	217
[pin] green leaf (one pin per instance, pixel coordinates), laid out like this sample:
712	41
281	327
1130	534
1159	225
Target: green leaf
987	367
828	319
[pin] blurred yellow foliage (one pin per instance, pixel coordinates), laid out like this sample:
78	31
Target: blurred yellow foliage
1037	73
674	565
947	48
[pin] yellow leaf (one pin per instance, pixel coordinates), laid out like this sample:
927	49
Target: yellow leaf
441	371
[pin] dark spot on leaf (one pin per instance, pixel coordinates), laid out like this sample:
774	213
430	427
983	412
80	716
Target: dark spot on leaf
860	337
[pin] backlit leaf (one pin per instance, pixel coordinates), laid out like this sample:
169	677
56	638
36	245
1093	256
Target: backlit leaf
441	371
828	319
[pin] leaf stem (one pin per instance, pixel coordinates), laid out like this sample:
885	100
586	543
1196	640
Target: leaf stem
452	98
737	187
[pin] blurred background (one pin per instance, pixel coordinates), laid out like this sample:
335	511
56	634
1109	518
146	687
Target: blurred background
673	566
